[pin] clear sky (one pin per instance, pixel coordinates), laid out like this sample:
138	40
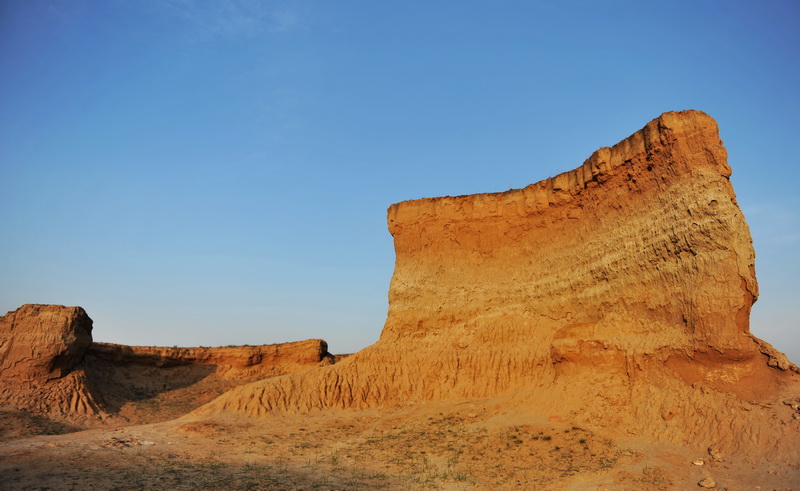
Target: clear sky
218	172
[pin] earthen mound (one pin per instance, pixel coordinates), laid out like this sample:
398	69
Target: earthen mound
617	295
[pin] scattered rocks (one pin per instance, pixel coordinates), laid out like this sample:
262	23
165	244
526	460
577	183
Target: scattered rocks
707	483
128	442
794	404
716	454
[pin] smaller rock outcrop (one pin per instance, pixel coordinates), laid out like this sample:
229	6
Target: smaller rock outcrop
42	350
43	342
53	376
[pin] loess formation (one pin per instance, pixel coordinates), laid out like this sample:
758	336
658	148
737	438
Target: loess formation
617	294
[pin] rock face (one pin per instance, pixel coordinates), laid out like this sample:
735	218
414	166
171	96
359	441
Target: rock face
43	342
641	248
617	294
42	350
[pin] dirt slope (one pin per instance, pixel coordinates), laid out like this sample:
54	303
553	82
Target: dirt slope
616	295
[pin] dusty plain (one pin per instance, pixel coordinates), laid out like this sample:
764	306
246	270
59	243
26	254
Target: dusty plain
476	445
419	446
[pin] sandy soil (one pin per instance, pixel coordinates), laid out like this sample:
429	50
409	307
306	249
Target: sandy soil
472	445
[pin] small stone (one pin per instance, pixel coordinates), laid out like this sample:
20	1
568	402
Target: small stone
707	483
715	454
698	462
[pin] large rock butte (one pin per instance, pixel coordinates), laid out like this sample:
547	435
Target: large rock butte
617	294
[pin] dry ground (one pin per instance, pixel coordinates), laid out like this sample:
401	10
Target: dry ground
422	446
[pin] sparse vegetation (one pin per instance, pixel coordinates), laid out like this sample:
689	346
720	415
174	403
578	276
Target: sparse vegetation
447	450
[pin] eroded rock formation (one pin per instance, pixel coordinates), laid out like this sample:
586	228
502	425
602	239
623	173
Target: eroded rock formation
43	342
42	349
50	369
617	294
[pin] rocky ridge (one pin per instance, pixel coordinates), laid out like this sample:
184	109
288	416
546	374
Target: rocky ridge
230	361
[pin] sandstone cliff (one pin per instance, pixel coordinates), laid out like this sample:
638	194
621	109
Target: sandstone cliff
617	294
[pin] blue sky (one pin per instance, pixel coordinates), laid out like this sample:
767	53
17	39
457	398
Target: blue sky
218	172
